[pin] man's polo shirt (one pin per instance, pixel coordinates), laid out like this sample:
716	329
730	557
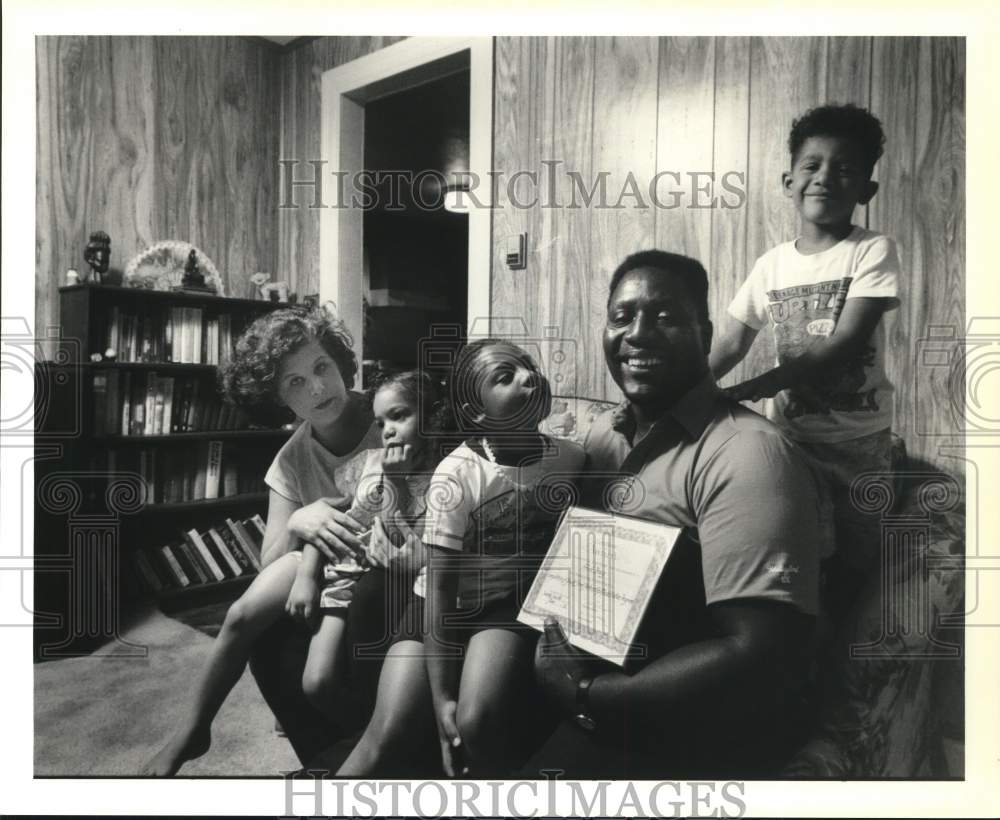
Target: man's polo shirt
744	493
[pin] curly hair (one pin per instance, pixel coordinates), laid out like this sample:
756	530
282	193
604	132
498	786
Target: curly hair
425	393
250	379
848	121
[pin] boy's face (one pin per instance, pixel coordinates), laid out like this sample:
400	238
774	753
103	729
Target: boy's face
310	384
828	179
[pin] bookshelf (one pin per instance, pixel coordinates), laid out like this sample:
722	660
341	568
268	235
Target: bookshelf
137	451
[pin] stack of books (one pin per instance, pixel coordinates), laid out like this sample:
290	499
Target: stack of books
225	551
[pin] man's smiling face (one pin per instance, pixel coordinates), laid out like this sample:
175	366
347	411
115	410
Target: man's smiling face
655	345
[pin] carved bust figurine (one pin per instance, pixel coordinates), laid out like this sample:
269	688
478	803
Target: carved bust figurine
193	277
97	254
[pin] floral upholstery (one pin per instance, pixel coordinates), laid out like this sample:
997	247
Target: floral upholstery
899	646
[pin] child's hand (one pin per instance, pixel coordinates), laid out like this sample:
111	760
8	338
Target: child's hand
332	532
762	387
303	600
398	458
451	743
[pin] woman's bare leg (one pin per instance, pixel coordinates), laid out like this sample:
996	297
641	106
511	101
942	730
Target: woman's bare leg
259	607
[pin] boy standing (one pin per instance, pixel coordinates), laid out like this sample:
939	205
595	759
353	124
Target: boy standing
825	294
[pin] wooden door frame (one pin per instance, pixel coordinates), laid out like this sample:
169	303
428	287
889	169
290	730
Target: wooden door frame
344	92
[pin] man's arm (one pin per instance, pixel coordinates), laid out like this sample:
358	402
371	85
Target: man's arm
858	321
757	642
731	347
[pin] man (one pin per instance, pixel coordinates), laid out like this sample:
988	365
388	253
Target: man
729	626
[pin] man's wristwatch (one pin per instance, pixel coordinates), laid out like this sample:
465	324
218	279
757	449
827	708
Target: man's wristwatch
582	716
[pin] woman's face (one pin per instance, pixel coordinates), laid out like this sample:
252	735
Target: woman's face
310	384
655	345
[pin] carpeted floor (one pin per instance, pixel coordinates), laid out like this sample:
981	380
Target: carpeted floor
101	715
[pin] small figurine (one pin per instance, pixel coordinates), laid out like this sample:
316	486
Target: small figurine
72	277
95	357
97	254
111	354
193	277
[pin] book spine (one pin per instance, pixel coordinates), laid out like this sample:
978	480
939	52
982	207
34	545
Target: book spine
201	549
200	472
241	539
241	557
100	390
149	415
147	572
159	405
175	566
168	404
191	562
251	542
223	555
214	469
258	523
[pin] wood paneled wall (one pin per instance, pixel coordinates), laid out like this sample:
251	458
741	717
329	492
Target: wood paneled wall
169	137
644	106
301	71
152	138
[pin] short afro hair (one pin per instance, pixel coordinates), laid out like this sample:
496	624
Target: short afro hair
250	379
690	271
848	121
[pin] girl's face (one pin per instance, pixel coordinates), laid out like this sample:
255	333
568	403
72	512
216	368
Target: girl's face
396	416
513	393
310	384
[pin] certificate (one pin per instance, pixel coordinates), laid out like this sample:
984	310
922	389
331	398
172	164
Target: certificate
597	579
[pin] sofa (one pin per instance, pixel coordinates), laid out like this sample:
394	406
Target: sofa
888	679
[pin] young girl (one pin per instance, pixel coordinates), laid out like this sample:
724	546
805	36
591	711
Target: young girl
492	507
290	362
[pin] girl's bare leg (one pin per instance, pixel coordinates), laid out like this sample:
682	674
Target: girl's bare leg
402	711
495	667
325	662
259	607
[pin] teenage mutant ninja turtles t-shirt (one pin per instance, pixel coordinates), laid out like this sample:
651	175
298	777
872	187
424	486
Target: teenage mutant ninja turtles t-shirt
802	296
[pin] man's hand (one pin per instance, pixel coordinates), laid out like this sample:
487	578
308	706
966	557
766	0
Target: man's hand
332	532
559	666
303	600
451	743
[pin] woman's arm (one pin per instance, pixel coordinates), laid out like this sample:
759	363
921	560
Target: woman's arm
277	539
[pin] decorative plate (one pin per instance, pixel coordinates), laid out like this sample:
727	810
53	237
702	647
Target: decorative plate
161	266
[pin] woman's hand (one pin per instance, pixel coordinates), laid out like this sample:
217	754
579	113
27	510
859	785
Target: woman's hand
332	532
396	545
451	743
303	600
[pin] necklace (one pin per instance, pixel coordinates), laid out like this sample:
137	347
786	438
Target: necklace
488	450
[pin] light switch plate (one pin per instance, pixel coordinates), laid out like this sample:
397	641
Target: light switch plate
517	251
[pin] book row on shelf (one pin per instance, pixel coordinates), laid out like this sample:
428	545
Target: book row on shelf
137	404
169	334
203	470
228	550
